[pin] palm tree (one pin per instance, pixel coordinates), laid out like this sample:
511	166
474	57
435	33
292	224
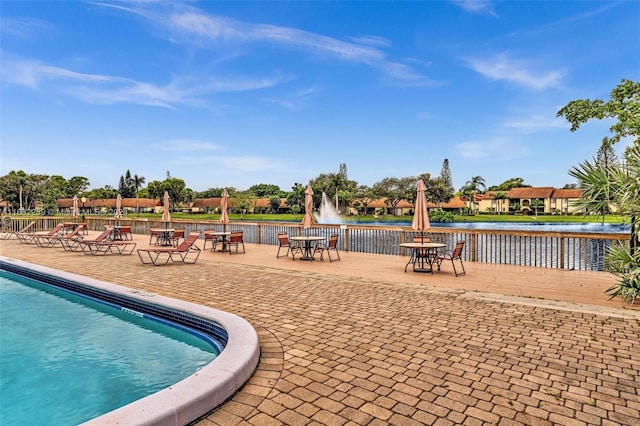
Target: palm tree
500	196
617	186
535	203
475	185
138	181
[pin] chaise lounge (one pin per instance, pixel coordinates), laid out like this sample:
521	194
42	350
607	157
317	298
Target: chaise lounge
27	230
73	244
186	252
47	241
29	237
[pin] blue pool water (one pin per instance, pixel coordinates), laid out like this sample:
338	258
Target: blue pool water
65	359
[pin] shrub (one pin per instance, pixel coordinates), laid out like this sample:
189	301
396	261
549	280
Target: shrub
440	216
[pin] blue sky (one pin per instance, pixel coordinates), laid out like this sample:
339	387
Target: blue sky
231	94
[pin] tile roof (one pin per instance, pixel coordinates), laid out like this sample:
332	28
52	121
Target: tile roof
567	193
109	202
540	192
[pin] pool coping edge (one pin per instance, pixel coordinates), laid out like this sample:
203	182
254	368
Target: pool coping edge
196	395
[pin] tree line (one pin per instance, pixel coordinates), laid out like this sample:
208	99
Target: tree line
28	191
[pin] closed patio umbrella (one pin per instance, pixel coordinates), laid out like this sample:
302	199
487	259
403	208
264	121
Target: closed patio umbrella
75	211
118	214
224	205
308	221
420	221
166	215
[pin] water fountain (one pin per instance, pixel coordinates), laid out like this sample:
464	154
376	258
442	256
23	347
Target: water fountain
327	213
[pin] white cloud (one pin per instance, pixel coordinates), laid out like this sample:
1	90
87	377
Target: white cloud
479	7
501	67
536	123
105	89
188	145
497	149
25	28
372	40
193	26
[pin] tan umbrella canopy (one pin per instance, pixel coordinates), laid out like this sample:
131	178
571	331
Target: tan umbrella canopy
166	215
421	215
75	211
118	214
308	221
224	205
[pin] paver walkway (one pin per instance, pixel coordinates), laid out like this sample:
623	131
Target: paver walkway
359	342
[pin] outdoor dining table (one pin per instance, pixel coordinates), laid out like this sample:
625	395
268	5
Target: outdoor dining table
222	238
68	227
422	255
307	248
164	239
115	233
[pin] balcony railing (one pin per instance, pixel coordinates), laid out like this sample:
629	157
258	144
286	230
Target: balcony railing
562	250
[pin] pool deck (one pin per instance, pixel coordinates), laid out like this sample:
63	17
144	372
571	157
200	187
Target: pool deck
360	342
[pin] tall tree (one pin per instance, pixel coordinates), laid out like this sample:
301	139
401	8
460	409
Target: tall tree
500	197
138	181
264	190
516	182
475	185
174	186
121	185
445	175
606	156
156	190
126	185
621	183
624	107
394	190
296	197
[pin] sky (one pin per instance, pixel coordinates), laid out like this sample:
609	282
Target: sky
235	93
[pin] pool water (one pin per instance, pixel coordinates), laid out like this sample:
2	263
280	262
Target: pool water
65	359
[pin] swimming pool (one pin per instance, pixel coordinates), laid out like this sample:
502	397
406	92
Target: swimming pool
190	398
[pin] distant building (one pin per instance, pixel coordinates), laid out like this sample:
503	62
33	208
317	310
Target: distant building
550	200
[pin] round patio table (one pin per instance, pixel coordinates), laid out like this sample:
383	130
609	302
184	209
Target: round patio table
307	253
422	255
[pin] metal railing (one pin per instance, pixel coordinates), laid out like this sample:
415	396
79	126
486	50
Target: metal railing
562	250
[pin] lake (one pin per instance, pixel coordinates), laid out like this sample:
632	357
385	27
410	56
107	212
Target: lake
606	228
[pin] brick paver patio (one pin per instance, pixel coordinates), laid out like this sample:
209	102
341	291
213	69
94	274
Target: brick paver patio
359	342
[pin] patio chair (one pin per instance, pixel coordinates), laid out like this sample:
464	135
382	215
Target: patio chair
73	244
46	241
162	255
175	237
236	239
454	255
423	253
120	233
331	245
210	236
27	230
29	237
284	242
154	233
